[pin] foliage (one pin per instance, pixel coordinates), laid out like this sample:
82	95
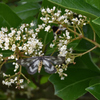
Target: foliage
80	45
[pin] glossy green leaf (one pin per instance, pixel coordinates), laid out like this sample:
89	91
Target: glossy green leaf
96	21
4	23
26	10
94	81
73	44
94	90
74	84
84	45
87	60
95	3
79	77
9	68
78	6
9	16
26	1
6	53
96	26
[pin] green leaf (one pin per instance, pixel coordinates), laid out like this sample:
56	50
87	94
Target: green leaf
79	77
96	21
83	44
94	3
6	53
94	81
9	16
31	84
78	6
44	79
10	68
73	44
87	60
74	84
94	90
3	22
26	10
26	1
96	26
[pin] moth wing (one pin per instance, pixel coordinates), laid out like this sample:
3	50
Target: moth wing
31	64
55	60
50	58
32	69
59	60
49	67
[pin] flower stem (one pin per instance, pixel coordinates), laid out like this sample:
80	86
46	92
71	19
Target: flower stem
95	43
25	77
88	51
81	54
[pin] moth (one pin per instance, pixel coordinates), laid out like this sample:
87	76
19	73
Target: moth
34	64
57	30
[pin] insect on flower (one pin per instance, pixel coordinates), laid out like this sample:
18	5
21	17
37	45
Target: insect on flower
35	63
57	30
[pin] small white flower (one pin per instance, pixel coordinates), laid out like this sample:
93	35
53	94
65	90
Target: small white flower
27	24
20	48
4	75
51	45
68	37
65	74
47	28
9	84
31	24
79	15
62	78
12	57
67	33
37	30
48	10
84	23
66	10
54	8
17	66
68	59
15	70
60	70
18	32
3	82
21	80
22	86
11	80
15	79
43	10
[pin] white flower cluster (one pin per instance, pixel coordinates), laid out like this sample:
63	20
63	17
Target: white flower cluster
16	66
53	16
9	81
24	39
60	70
68	19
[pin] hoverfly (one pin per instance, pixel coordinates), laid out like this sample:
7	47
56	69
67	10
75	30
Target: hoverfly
35	63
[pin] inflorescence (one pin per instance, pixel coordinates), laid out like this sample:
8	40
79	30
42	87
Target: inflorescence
24	42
